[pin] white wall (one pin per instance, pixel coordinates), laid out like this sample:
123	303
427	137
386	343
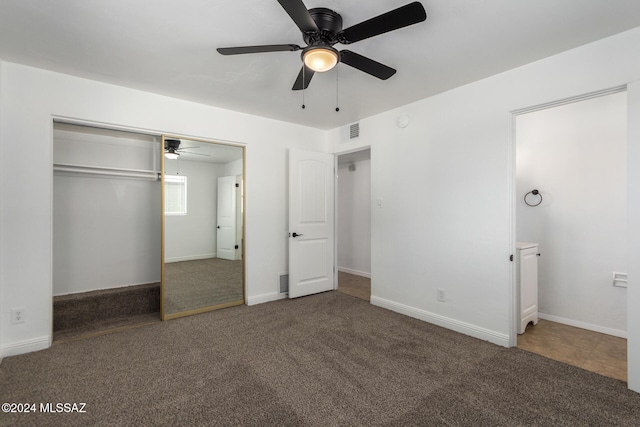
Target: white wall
2	316
448	185
633	215
576	155
354	218
233	168
32	97
193	236
105	233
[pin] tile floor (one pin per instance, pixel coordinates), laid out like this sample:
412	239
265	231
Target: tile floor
600	353
593	351
356	286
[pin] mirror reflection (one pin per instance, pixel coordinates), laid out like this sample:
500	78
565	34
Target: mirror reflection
203	267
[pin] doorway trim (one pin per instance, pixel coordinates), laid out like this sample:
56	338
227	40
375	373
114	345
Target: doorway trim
337	154
513	315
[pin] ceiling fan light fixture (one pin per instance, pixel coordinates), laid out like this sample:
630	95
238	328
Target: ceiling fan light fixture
321	28
171	154
320	59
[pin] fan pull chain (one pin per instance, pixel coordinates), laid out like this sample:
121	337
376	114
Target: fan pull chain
337	91
303	106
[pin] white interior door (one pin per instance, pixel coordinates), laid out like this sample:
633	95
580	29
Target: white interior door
311	222
226	229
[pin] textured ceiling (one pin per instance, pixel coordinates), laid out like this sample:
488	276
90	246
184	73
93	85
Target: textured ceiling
168	47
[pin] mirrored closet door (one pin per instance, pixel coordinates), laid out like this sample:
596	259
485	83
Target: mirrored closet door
202	226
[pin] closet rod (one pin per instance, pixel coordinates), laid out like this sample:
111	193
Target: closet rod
99	170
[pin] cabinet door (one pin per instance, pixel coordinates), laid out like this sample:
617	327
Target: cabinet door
528	281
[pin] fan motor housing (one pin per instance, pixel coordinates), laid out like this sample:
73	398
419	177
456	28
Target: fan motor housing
171	144
329	24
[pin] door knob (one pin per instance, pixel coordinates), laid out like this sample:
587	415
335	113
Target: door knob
296	234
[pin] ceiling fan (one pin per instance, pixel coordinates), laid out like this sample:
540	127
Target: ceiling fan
322	28
172	149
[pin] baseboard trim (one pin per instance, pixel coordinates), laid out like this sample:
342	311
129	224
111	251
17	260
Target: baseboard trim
354	272
260	299
583	325
446	322
190	257
26	346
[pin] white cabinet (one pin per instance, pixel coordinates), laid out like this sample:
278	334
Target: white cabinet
527	284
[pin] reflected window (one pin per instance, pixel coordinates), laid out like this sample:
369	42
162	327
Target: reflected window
175	195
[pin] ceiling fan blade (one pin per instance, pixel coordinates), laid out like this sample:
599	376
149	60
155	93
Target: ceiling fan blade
365	64
258	49
306	73
191	152
300	15
403	16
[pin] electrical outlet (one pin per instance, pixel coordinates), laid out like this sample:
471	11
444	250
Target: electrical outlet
17	316
441	295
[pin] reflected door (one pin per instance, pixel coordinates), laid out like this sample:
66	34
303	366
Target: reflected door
226	230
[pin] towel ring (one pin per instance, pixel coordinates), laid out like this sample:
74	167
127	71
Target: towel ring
535	193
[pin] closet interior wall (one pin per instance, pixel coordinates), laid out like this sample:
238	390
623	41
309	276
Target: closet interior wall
106	210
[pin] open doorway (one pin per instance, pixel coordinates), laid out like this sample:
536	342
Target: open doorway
571	202
353	229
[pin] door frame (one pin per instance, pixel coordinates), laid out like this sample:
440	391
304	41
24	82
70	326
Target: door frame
513	292
336	155
317	232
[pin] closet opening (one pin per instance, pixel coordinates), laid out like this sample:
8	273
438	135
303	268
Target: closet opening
106	230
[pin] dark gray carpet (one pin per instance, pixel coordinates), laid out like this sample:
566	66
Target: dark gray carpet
89	312
328	359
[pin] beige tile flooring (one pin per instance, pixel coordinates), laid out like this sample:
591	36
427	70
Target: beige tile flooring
604	354
356	286
600	353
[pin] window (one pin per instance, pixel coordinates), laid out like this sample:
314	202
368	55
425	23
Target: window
175	195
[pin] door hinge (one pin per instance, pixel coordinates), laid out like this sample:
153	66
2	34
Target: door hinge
511	257
237	185
236	246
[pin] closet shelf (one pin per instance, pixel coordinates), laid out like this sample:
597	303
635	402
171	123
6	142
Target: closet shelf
100	170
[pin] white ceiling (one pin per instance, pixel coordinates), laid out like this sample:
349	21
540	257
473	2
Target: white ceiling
200	151
168	47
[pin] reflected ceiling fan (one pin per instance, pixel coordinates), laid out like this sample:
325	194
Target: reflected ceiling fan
172	149
322	28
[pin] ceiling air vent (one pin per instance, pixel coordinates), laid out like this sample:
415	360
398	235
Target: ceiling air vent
350	132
